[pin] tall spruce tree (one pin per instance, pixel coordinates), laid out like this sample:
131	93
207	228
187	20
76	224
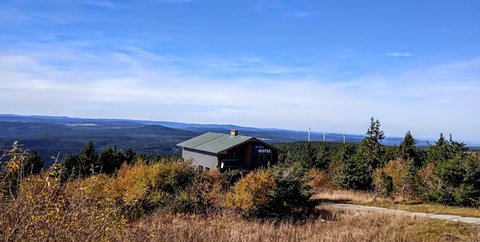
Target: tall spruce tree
370	151
408	150
88	157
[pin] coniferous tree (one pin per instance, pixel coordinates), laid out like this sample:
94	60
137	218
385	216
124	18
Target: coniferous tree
129	156
408	150
352	174
445	150
72	167
34	164
456	148
439	151
370	151
88	157
323	156
308	157
109	161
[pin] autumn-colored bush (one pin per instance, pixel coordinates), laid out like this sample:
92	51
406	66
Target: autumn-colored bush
427	176
168	186
383	183
402	175
397	169
252	193
46	210
279	192
319	180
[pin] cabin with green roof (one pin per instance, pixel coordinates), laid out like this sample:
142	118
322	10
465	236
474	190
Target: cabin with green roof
215	151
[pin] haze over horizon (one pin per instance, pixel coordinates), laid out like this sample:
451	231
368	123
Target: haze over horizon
330	66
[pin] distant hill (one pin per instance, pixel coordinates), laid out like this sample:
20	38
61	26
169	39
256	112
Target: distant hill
52	135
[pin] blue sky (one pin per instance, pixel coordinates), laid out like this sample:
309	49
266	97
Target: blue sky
327	65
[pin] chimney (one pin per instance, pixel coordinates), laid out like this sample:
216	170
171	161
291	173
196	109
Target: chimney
233	132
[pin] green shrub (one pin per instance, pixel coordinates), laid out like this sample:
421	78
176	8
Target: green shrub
292	193
354	175
275	193
456	182
383	183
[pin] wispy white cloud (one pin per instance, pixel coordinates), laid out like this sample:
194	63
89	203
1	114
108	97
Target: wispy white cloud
135	83
249	64
398	54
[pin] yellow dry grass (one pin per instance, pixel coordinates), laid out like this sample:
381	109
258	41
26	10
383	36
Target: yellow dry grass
334	226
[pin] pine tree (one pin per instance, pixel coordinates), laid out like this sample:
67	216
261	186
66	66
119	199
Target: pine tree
109	161
323	156
408	150
308	157
72	167
34	164
88	157
444	150
352	174
129	156
370	151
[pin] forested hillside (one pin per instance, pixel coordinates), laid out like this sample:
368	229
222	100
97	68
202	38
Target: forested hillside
50	136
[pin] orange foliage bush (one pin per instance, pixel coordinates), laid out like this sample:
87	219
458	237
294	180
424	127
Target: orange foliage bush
251	193
427	176
319	180
398	171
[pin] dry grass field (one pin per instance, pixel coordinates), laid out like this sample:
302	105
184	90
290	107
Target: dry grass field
334	226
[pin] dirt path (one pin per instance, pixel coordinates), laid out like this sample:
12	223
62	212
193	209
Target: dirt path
454	218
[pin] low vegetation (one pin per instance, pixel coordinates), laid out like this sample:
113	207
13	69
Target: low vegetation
334	225
117	196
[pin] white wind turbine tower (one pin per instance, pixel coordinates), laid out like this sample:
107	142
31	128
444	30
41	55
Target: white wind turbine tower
324	139
309	139
344	138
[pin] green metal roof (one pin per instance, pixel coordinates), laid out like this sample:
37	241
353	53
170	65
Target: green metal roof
214	142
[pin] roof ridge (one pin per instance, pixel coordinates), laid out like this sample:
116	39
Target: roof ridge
207	140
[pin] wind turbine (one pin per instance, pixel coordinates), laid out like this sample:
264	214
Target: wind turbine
309	135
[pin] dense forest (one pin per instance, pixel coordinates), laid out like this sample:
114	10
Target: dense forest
446	172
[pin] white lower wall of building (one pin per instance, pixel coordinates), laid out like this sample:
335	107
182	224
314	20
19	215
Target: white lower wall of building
199	159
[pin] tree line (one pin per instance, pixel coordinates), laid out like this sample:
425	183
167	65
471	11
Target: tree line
445	172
